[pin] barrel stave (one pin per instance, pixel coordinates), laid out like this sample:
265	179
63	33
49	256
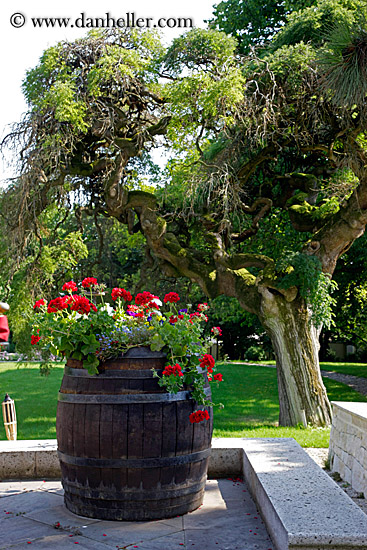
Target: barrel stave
155	429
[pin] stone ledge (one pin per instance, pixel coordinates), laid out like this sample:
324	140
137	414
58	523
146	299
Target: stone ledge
303	508
354	407
348	443
29	459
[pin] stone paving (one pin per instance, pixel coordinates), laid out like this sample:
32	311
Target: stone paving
32	515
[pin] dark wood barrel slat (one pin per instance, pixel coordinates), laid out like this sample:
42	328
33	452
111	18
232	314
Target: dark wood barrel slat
119	447
70	429
106	441
152	443
92	435
184	439
80	446
169	418
126	460
135	433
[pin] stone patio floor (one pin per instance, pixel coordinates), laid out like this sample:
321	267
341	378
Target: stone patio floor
33	515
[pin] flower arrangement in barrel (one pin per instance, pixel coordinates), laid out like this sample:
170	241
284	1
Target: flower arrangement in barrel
73	326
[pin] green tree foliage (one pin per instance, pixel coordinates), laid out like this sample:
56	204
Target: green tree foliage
351	307
256	24
36	274
259	146
253	23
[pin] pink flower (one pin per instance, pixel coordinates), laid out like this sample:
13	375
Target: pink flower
198	315
217	331
171	297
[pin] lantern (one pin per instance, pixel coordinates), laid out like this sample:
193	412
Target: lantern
10	418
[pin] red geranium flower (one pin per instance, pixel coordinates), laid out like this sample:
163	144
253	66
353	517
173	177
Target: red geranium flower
174	370
81	305
38	304
171	297
193	315
121	293
203	307
88	282
35	339
173	319
143	298
207	361
153	304
58	304
217	331
70	286
218	377
199	416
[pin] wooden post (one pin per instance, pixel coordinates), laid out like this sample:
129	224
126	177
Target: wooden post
10	418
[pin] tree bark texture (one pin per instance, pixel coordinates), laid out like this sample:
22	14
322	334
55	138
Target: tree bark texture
302	394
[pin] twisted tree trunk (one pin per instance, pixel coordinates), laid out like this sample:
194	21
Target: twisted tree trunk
302	394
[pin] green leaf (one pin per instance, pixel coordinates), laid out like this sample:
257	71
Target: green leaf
157	343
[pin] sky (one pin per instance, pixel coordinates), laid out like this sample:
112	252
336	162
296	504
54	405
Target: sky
22	44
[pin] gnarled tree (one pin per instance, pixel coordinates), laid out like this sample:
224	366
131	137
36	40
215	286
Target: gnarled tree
264	147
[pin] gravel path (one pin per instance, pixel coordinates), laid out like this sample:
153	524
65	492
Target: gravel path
355	382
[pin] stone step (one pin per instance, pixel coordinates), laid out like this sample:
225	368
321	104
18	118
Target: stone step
302	507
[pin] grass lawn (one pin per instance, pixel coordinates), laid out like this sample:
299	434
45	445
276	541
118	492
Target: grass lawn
35	398
249	394
356	369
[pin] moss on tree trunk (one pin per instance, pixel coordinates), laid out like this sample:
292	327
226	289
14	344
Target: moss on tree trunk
302	394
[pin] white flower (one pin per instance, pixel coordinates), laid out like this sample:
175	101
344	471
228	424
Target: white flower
81	315
109	309
156	301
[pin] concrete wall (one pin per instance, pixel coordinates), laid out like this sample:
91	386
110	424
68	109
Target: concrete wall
348	444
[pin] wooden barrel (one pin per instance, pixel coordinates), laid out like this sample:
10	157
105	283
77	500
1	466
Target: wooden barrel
127	448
